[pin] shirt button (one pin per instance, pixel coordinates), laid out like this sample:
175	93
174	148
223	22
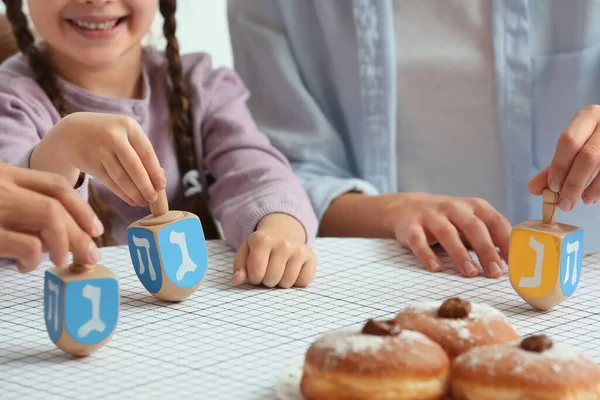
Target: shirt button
139	109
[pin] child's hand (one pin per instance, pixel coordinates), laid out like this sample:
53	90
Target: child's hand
420	220
112	148
574	167
275	255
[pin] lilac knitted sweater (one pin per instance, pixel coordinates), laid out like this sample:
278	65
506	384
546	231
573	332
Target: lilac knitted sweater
252	178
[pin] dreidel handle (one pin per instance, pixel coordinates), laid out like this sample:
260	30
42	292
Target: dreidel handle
161	205
549	206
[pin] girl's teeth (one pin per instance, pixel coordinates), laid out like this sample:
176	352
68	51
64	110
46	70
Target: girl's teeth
96	25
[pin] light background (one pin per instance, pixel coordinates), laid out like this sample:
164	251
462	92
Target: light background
202	26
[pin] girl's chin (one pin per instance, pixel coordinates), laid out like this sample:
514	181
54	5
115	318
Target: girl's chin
94	58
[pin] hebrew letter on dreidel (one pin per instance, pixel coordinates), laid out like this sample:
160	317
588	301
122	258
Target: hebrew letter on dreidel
535	280
187	265
95	323
53	295
572	248
142	242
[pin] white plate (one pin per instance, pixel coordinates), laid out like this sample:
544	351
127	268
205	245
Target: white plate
288	383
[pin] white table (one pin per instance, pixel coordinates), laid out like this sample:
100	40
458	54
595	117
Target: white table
229	342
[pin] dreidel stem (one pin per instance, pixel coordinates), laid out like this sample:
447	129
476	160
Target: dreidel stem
549	206
161	205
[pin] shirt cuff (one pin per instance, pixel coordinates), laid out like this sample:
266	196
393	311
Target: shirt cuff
23	162
81	186
236	231
325	189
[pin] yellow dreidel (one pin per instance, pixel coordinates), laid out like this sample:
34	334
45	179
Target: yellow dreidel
544	264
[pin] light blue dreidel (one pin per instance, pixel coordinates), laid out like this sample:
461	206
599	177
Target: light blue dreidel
168	251
81	307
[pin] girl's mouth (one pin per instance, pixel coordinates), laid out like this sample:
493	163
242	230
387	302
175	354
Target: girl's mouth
106	25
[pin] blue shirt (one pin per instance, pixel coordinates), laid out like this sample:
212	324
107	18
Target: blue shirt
322	76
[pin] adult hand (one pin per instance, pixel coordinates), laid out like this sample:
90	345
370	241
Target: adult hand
40	211
420	220
574	167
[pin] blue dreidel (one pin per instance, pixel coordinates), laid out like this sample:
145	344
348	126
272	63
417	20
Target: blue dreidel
168	251
81	307
545	258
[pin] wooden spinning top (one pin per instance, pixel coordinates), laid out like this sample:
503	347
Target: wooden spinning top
168	251
545	257
81	307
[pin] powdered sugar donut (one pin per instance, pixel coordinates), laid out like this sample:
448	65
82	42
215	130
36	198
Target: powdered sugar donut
381	361
534	368
458	325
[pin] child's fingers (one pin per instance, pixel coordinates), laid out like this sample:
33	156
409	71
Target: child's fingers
122	178
277	264
26	249
258	259
292	270
239	265
448	237
415	239
308	271
134	167
113	187
583	169
147	156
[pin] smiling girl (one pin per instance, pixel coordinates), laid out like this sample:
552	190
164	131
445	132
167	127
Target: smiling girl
120	120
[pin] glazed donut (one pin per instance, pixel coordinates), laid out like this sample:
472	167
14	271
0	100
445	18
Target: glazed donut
381	361
458	325
534	368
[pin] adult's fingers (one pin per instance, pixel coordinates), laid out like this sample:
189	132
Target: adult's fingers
56	186
569	143
498	227
26	249
538	183
591	194
55	227
448	237
581	173
476	232
147	156
119	175
415	239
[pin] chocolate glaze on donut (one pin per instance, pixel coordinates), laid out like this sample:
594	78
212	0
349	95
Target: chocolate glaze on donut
532	368
462	325
385	364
